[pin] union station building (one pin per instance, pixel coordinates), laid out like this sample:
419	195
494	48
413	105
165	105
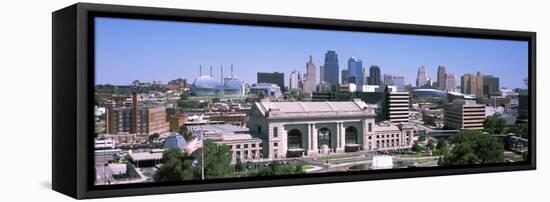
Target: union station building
294	129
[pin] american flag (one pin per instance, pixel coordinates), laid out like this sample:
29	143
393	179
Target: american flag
194	144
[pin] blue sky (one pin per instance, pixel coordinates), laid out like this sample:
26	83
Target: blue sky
147	50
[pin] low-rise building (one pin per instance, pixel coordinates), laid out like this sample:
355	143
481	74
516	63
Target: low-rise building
136	119
433	117
464	115
243	146
293	129
176	122
238	119
266	89
390	136
104	143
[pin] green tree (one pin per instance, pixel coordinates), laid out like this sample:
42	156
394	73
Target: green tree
495	125
416	147
177	166
299	169
275	168
97	100
217	160
441	144
521	130
215	100
462	154
489	149
184	95
431	144
153	137
473	147
239	167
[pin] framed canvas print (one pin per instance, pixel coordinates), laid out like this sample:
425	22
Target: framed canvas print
156	100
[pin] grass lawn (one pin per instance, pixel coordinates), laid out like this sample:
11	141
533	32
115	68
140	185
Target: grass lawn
307	166
349	160
323	158
514	158
423	161
415	155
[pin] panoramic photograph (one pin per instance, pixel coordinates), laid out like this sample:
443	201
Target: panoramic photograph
189	101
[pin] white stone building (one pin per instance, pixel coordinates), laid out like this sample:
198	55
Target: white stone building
293	129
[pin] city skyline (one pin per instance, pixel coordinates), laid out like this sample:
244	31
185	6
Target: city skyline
149	50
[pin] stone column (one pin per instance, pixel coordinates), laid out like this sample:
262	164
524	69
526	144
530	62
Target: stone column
312	140
339	139
309	138
343	135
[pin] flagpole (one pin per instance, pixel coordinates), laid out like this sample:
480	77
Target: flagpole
202	154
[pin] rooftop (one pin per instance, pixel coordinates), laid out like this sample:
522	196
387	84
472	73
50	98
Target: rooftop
144	156
286	109
217	128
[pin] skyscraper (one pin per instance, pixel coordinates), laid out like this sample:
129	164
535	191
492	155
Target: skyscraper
422	77
274	78
472	84
365	77
388	80
345	76
355	71
310	80
450	82
294	81
441	74
331	69
374	75
359	80
399	83
491	85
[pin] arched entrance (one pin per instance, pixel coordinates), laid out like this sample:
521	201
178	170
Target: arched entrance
323	137
294	143
352	139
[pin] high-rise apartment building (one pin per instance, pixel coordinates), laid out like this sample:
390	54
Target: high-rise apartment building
472	84
397	107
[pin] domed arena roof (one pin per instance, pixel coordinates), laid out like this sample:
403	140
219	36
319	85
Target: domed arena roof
425	93
234	83
205	81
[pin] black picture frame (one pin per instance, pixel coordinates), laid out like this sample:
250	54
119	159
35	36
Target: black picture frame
73	86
